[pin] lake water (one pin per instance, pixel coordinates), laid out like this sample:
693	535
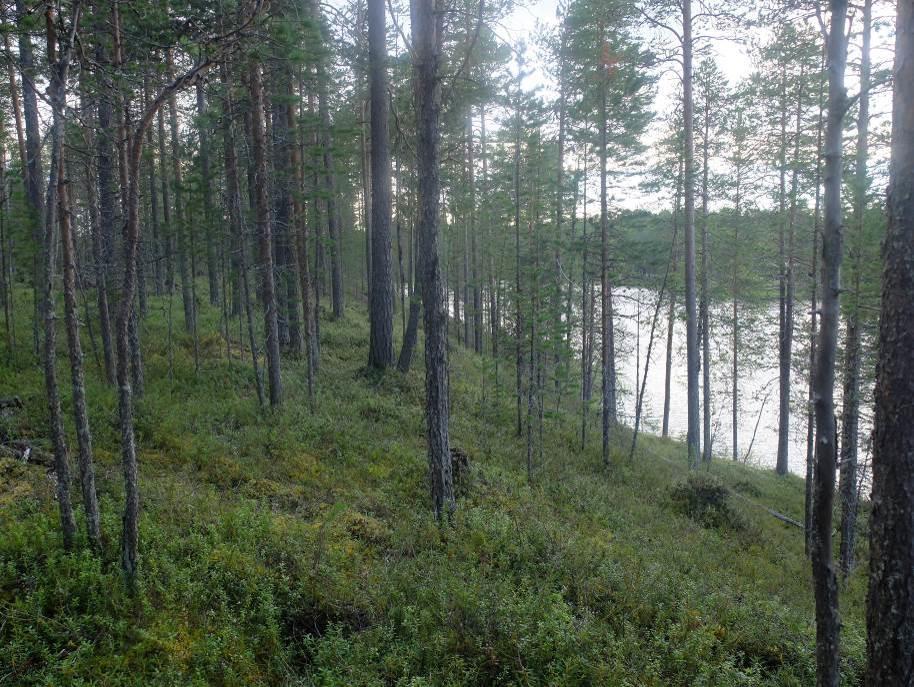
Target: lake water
758	372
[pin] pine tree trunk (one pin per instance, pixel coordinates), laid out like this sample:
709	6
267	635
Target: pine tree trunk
212	262
692	353
34	178
57	93
326	142
184	258
850	414
428	105
606	307
233	197
824	582
813	328
671	315
81	415
890	604
518	286
264	237
381	294
705	304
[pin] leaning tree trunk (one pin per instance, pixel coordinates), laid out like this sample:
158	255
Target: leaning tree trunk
890	605
81	415
428	105
824	581
381	294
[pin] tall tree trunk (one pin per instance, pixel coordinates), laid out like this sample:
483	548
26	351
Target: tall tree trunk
737	211
518	285
81	415
428	105
850	414
824	582
381	293
264	237
813	325
475	275
705	305
692	353
890	605
183	229
57	93
212	261
152	190
786	248
32	171
671	315
236	214
326	142
103	228
606	304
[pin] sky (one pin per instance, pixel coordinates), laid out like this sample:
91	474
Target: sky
735	60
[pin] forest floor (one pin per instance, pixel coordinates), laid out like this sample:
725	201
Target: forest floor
298	547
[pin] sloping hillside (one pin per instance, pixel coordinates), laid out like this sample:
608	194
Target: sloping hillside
299	547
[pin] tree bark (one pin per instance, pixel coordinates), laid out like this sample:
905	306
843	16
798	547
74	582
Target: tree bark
428	105
705	305
381	293
57	92
264	237
824	582
81	415
607	336
850	413
692	353
233	198
890	604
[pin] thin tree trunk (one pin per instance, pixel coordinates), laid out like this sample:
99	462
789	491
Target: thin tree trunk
212	263
326	142
236	214
606	309
692	353
57	93
265	240
813	326
671	315
33	174
190	311
850	414
518	286
705	305
824	582
81	415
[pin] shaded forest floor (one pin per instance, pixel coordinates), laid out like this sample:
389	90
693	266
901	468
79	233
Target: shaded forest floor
298	547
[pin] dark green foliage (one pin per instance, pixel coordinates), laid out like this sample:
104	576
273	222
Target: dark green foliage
705	499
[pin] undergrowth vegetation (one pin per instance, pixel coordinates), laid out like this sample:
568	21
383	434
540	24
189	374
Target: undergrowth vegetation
299	547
